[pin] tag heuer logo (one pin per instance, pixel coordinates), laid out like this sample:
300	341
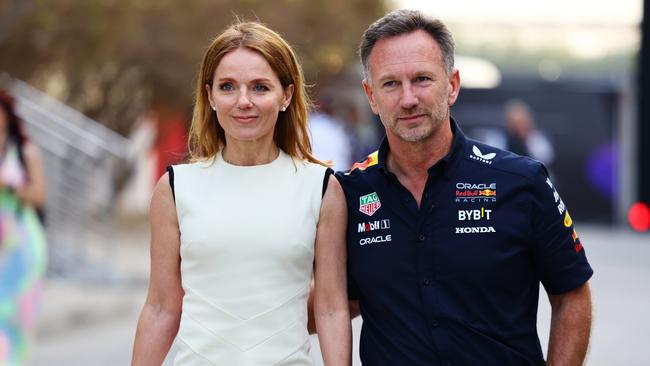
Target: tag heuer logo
369	204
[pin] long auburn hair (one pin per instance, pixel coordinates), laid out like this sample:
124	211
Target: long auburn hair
207	137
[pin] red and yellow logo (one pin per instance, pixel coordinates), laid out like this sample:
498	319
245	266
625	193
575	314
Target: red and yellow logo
487	192
577	245
372	159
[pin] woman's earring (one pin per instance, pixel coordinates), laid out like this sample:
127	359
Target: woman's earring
214	108
283	109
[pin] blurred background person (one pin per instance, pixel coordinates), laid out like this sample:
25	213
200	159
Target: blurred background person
22	240
522	135
365	134
329	140
342	128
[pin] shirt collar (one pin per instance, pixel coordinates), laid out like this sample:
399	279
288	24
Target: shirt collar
448	163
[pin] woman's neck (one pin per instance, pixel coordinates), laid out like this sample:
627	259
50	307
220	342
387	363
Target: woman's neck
250	154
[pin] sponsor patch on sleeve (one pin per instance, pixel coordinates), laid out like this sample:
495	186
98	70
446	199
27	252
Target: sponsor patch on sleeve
369	204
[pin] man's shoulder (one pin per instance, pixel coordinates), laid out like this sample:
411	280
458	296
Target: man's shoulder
368	166
479	155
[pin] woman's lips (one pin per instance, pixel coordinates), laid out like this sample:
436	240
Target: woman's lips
245	119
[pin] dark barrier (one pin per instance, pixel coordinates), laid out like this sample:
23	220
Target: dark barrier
580	120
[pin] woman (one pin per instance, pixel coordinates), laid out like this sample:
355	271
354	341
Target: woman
238	232
22	241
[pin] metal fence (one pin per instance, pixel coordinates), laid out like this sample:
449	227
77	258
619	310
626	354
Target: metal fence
81	161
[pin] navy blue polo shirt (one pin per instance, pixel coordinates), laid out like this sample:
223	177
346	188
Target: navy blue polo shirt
456	280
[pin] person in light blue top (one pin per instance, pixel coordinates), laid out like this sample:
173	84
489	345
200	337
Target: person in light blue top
23	251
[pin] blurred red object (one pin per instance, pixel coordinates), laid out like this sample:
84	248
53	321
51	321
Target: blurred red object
639	217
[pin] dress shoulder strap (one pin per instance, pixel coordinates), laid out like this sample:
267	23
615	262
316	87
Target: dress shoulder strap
170	170
326	179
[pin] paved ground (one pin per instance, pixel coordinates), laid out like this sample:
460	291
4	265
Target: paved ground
92	323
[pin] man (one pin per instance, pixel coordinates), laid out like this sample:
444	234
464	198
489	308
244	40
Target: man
522	136
448	238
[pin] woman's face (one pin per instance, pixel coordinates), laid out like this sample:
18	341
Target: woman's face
247	95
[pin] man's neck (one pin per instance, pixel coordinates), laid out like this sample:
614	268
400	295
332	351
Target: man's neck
410	161
413	159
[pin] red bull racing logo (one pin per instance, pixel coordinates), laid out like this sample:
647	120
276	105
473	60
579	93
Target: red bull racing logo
476	192
487	192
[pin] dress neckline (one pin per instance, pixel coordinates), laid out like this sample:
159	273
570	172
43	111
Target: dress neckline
281	156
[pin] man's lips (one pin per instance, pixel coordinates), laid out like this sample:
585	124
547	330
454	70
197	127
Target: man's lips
411	117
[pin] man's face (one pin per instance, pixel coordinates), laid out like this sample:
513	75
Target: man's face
408	86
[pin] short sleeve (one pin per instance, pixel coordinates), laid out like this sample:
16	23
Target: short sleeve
559	255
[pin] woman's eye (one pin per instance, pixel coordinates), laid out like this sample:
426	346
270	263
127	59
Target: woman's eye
226	87
260	88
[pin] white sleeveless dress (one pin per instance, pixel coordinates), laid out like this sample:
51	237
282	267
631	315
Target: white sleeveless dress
247	252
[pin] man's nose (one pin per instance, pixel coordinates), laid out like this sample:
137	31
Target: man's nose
408	99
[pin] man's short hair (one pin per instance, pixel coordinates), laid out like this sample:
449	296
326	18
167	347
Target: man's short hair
404	21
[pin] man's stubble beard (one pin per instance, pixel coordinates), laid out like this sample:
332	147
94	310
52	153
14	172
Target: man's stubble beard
430	126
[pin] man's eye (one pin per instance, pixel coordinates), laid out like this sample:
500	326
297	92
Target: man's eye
226	87
389	84
421	79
